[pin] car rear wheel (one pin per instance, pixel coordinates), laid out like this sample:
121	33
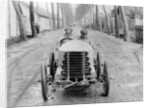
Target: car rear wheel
44	82
106	85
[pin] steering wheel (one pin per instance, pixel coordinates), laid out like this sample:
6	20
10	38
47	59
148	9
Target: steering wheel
64	40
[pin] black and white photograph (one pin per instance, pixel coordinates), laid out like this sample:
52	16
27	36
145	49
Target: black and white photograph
73	53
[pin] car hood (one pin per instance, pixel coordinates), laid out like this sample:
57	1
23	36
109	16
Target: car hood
75	45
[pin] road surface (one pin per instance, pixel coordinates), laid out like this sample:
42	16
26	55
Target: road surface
125	66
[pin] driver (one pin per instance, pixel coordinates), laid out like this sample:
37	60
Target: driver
84	37
67	36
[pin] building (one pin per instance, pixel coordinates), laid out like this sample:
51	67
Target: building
41	17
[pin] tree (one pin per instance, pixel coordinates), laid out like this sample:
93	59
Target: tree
53	16
67	13
90	17
81	10
20	21
116	21
93	15
9	17
111	23
48	15
32	22
62	14
58	16
97	21
107	20
126	38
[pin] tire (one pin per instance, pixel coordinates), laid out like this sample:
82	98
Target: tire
98	66
106	85
52	65
44	82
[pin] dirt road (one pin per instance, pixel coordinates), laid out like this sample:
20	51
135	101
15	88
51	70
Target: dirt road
125	66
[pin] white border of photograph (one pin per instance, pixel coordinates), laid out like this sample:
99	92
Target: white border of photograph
143	3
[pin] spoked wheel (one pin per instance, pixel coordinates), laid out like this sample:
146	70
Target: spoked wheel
44	82
105	81
98	66
52	65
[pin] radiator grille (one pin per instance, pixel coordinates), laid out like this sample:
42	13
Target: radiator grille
76	64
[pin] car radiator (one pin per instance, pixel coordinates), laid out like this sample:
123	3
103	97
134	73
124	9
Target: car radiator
76	65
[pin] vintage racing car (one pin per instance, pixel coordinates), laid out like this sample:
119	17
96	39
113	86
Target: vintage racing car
74	66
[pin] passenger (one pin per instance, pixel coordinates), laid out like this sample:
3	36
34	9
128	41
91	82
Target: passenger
37	27
84	37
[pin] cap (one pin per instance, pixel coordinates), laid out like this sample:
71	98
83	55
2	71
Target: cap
84	31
